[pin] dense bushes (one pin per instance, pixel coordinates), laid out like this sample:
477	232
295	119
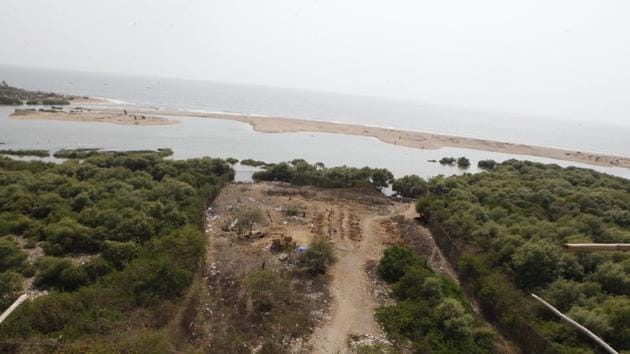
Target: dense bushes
395	262
132	217
38	153
11	255
487	164
462	162
10	288
300	172
253	163
410	186
14	96
448	161
431	311
510	223
10	101
75	153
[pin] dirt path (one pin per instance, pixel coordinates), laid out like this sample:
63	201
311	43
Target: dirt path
352	311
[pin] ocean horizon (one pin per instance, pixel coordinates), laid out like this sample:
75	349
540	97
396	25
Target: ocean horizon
206	96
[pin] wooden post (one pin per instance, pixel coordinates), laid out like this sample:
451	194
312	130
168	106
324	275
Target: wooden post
578	326
12	308
589	247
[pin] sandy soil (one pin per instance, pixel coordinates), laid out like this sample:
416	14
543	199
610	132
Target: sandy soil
337	310
91	116
412	139
420	140
341	304
352	313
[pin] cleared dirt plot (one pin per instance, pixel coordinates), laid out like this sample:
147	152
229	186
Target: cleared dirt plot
258	296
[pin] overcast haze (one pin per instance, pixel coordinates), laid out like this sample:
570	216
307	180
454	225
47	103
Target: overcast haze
566	59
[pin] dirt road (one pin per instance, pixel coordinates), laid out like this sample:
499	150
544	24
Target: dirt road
352	311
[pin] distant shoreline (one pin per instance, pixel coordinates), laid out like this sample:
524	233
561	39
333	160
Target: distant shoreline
400	137
92	116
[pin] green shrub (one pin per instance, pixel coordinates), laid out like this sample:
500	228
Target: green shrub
96	268
72	278
10	288
463	162
11	255
38	153
253	163
454	319
50	270
410	186
69	236
140	210
247	218
319	255
300	172
76	153
118	254
412	284
448	161
13	223
153	279
395	262
10	101
431	311
472	266
487	164
55	102
509	223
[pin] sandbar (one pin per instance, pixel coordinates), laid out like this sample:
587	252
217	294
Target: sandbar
93	116
407	138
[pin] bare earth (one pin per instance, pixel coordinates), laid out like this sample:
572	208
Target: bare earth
91	116
353	307
412	139
341	304
339	312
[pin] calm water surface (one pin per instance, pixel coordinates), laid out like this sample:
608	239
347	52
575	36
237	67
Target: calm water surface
209	96
196	137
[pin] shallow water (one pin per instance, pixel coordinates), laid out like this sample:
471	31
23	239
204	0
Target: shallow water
209	96
196	137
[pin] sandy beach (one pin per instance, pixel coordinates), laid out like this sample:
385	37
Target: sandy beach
420	140
92	116
264	124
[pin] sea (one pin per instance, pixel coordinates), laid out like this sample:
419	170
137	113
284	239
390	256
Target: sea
196	137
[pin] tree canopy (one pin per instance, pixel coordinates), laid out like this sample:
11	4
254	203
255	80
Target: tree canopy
300	172
508	225
134	220
410	186
431	311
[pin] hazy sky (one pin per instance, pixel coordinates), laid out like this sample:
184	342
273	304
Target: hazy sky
562	58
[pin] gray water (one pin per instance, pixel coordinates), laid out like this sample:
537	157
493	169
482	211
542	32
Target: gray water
196	137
